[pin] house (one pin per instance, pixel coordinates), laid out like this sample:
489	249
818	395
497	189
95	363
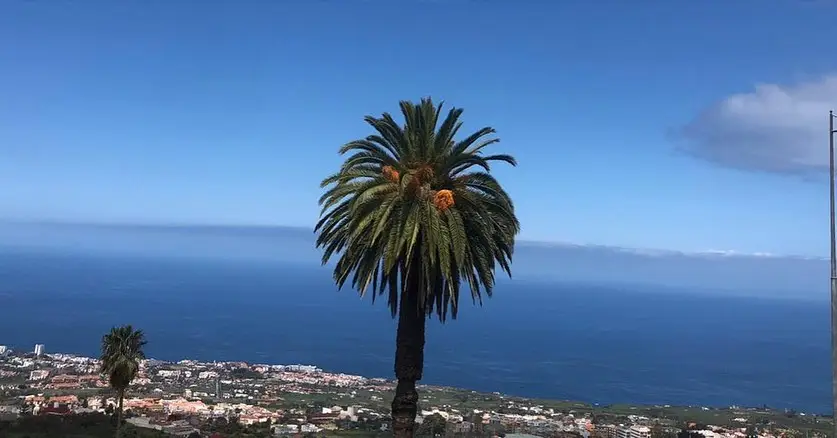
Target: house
54	409
463	427
64	399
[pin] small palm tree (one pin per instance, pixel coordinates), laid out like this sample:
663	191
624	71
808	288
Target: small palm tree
121	356
414	214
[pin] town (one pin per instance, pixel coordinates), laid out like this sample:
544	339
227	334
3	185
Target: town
189	398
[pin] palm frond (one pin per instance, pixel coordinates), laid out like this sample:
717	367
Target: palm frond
122	351
411	193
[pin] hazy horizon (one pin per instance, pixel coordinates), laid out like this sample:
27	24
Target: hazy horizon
649	251
724	273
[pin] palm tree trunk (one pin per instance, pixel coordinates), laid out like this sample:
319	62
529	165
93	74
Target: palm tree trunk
409	357
121	395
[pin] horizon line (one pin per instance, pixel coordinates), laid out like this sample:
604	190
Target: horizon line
643	251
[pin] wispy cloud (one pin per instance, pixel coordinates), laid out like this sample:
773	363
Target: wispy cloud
775	128
731	253
657	252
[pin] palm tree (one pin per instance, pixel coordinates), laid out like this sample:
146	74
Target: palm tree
121	356
414	214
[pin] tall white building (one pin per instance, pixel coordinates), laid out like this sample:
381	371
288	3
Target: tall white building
39	349
38	374
3	349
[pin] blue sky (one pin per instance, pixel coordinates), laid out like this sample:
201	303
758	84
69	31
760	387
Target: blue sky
638	124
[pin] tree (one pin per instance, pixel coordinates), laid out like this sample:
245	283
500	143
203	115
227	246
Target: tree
433	425
121	356
412	214
476	419
461	398
657	431
25	409
246	373
689	433
495	429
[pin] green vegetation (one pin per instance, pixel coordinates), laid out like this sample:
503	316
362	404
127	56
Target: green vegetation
71	426
359	434
432	425
245	373
466	401
121	356
413	213
233	429
104	426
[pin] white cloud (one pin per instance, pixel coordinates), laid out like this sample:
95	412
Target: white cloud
656	252
774	128
731	253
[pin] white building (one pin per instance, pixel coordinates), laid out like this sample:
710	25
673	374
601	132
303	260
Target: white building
633	432
39	349
38	374
309	428
283	429
640	432
3	349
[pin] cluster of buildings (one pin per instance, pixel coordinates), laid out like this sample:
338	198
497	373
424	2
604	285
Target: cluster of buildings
39	349
183	397
179	398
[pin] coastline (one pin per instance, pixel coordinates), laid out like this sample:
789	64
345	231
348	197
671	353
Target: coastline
581	405
307	398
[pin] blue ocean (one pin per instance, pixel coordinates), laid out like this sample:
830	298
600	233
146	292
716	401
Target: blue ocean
600	344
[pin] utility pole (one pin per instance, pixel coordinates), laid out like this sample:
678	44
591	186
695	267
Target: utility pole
831	132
